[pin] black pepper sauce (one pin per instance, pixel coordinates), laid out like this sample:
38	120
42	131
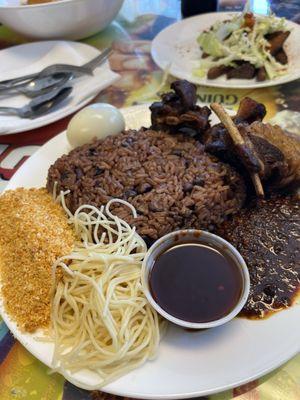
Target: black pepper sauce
268	237
195	282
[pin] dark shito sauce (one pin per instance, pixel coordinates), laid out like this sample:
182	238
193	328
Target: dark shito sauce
271	251
195	282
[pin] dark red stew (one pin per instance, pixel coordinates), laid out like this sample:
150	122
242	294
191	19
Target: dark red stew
195	282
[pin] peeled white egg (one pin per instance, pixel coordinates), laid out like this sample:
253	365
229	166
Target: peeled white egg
97	120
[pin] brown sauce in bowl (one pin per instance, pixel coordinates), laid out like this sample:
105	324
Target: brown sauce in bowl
195	282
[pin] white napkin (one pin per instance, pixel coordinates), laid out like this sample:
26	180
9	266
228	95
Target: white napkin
84	88
32	57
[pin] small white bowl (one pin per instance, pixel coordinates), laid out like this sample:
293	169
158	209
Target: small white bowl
62	19
203	237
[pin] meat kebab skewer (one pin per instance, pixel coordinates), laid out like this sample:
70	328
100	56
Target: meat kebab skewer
238	140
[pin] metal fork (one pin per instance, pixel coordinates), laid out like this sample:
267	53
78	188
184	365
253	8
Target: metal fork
86	69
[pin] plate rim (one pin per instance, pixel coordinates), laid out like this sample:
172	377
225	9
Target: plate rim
230	85
150	396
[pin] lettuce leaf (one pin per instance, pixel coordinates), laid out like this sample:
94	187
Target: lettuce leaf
210	44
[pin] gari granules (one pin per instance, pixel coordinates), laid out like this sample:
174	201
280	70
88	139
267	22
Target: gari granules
34	232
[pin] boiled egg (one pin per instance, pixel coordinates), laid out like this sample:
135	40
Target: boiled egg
97	120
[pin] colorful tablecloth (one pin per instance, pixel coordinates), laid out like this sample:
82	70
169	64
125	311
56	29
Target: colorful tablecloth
21	375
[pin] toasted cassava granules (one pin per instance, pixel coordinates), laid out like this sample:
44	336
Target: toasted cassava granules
34	232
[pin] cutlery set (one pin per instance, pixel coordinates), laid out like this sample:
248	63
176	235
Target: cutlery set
47	88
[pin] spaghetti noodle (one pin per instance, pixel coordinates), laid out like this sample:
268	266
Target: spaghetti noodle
101	319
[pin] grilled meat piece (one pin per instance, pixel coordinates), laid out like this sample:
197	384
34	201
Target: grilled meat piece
281	57
250	111
177	111
216	72
217	140
276	41
288	145
261	74
243	71
271	164
268	150
257	155
187	93
247	153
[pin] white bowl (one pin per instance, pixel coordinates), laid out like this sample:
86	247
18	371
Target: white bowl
64	19
187	236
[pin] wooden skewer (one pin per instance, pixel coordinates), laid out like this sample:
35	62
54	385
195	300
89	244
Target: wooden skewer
238	140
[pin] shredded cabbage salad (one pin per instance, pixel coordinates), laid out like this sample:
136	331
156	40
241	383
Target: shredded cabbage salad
230	41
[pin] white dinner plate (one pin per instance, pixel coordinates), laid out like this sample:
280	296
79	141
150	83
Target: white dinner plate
189	364
176	49
33	57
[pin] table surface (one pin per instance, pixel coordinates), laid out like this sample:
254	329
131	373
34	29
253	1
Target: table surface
21	375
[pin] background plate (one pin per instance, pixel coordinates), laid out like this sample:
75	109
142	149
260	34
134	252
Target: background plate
189	364
176	48
33	57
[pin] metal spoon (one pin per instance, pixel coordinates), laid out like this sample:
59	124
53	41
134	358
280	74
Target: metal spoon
40	105
37	87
